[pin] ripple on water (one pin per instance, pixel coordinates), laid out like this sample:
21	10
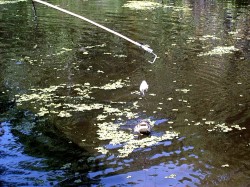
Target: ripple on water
24	169
215	87
159	175
202	87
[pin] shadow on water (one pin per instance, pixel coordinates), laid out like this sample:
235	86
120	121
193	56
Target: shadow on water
35	153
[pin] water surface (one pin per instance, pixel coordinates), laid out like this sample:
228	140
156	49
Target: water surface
70	95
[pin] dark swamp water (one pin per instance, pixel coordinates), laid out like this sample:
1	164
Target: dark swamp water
69	94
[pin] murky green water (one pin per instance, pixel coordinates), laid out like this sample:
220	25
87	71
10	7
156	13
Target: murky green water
70	98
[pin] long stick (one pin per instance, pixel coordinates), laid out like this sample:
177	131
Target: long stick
34	8
100	26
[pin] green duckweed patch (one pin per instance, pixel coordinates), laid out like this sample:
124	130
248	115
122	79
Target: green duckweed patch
64	101
208	37
149	5
56	100
219	50
11	2
142	5
111	132
216	126
223	127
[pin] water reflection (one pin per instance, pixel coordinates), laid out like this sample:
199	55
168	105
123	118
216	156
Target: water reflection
79	87
25	169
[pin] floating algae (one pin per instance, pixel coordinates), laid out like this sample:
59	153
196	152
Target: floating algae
223	127
219	50
56	100
124	142
149	5
142	5
183	90
113	85
11	2
207	37
133	144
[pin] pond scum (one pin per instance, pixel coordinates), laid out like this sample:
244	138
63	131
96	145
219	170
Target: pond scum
142	5
50	101
219	50
11	2
149	5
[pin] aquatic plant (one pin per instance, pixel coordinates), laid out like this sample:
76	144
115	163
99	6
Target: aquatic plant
219	50
141	5
49	101
11	2
149	5
126	140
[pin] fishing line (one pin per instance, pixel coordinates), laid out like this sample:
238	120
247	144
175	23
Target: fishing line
144	47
